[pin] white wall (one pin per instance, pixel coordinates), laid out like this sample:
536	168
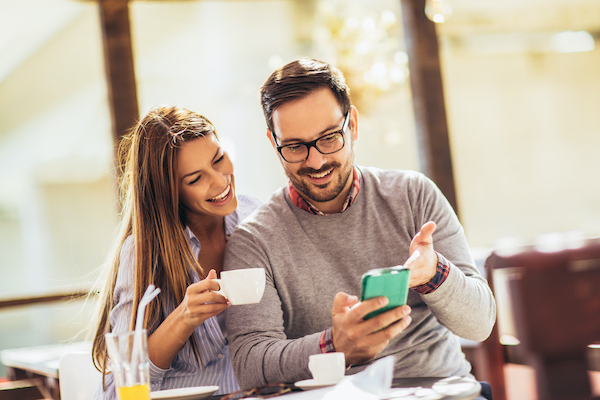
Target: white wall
525	136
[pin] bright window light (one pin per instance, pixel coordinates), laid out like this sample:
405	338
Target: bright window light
572	42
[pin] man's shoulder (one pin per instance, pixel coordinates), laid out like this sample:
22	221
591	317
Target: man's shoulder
388	173
266	215
392	178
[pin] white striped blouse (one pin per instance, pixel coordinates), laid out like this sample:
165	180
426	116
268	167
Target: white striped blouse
212	345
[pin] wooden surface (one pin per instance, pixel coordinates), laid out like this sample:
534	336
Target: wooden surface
38	364
490	357
521	385
118	60
556	303
40	360
40	299
30	389
428	97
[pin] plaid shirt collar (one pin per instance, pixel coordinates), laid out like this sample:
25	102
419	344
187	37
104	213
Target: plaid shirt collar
306	206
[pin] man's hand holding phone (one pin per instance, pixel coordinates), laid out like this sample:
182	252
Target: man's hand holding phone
361	340
391	282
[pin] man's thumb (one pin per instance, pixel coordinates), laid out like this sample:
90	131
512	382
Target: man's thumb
343	301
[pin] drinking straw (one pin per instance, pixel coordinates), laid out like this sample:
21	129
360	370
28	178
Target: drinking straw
151	293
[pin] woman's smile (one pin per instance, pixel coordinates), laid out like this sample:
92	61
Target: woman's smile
223	197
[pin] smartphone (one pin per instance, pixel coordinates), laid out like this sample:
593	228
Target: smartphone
391	282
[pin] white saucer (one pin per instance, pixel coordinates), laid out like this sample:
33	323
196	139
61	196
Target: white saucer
308	384
189	393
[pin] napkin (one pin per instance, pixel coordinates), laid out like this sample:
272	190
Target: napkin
373	383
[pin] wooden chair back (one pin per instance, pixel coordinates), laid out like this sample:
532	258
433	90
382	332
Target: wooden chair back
556	307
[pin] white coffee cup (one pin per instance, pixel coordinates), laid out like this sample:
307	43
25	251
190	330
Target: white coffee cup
327	368
242	286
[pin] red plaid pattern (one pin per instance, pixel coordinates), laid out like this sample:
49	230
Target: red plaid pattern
326	342
306	206
440	276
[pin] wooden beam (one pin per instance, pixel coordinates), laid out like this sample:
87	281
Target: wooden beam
118	60
428	97
42	299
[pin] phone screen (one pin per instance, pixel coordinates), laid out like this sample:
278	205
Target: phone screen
390	282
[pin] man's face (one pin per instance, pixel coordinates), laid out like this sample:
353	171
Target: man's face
322	179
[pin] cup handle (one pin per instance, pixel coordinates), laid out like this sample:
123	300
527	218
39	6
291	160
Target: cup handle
221	290
311	367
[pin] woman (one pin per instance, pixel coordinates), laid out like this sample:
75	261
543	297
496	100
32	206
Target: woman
178	208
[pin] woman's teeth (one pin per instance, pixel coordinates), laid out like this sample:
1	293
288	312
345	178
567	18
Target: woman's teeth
222	195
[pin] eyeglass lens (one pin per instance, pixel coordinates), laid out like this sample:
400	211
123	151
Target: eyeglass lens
326	145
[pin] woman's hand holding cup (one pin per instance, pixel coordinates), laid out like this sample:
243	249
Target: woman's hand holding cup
201	300
242	286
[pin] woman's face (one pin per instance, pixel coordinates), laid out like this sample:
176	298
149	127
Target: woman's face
205	178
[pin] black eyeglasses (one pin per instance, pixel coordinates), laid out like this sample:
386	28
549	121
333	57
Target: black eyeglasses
263	392
326	144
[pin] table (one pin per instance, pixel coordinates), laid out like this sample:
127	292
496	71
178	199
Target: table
39	362
469	390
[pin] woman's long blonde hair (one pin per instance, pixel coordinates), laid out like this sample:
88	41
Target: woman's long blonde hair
150	211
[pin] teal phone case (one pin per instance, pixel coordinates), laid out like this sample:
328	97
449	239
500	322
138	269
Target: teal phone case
390	282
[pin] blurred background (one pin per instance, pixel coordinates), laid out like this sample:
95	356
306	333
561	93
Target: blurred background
522	90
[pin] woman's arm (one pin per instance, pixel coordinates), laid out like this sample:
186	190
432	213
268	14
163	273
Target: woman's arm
199	304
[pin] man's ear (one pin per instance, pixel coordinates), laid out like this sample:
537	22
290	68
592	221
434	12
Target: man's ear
354	122
270	136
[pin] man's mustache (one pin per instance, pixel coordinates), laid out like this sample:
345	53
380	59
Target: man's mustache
325	167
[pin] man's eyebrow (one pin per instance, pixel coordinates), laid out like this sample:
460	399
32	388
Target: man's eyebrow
322	133
217	155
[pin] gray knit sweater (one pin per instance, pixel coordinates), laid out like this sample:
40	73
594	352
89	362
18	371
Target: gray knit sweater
309	258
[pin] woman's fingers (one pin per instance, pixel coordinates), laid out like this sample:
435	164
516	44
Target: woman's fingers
198	299
211	308
198	309
203	286
201	300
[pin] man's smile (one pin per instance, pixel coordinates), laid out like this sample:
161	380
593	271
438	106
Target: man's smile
319	175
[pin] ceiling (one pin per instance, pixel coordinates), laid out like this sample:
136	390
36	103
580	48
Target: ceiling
26	25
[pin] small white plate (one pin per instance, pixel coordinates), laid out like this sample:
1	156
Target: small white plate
189	393
308	384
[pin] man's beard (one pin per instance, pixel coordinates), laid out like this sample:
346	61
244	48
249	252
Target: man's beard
318	193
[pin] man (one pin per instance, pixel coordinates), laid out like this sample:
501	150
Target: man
333	222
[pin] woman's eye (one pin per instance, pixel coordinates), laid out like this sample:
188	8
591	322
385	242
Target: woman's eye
220	159
195	180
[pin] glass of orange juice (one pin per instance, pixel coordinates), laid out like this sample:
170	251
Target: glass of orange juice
128	355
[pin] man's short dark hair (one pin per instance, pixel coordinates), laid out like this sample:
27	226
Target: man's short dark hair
297	80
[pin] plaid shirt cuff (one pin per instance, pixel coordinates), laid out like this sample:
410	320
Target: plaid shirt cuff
326	342
440	276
